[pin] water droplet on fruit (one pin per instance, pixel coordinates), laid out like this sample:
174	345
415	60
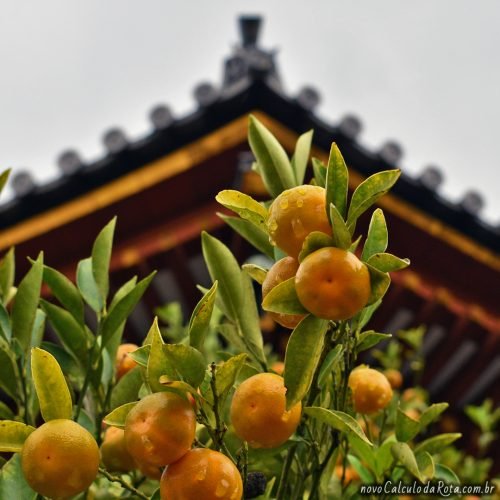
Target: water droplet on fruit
284	204
201	474
148	445
222	488
300	202
273	225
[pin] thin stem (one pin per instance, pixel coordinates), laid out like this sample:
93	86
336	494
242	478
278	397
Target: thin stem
124	484
85	386
382	427
368	430
26	403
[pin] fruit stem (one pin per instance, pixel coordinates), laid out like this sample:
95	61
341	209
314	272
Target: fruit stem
124	484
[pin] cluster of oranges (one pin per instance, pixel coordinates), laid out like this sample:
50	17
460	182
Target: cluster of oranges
331	283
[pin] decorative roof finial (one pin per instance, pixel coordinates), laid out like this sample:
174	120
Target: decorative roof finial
250	28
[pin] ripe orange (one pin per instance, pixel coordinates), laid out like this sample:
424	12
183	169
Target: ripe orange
151	471
394	377
258	411
371	390
124	363
333	284
201	474
294	214
114	453
60	459
278	367
281	271
160	429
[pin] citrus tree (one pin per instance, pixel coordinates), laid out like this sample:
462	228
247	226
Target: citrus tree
211	416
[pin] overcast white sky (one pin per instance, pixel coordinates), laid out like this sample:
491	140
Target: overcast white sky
425	73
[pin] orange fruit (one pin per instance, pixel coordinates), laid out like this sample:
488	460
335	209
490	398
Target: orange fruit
151	471
258	411
160	429
371	390
60	459
278	367
281	271
333	284
294	214
394	377
114	453
201	474
349	475
124	363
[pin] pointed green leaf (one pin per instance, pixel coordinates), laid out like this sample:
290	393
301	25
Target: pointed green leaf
5	328
101	256
50	385
355	244
180	388
314	241
432	413
224	268
122	291
425	465
257	273
65	292
87	285
364	474
319	169
13	485
283	299
71	334
302	356
7	272
230	333
123	308
379	283
273	161
12	435
341	235
255	236
117	417
368	192
404	454
383	456
9	374
370	338
227	372
406	427
338	420
331	361
158	362
436	443
26	303
363	317
386	262
188	362
200	319
445	474
301	155
38	328
337	180
245	206
127	388
377	238
141	355
4	177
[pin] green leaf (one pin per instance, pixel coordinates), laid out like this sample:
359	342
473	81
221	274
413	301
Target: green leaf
123	308
179	387
122	291
445	474
7	272
383	456
187	361
377	238
370	338
273	161
314	241
302	356
9	374
4	177
255	236
127	388
379	283
230	332
363	472
425	466
141	355
158	362
71	334
341	235
224	268
227	372
67	362
337	181
406	427
12	435
432	413
50	385
65	292
436	443
13	485
245	206
5	328
368	192
330	363
26	304
38	328
338	420
363	317
257	273
87	285
300	156
319	169
283	299
404	454
117	417
200	319
386	262
101	256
